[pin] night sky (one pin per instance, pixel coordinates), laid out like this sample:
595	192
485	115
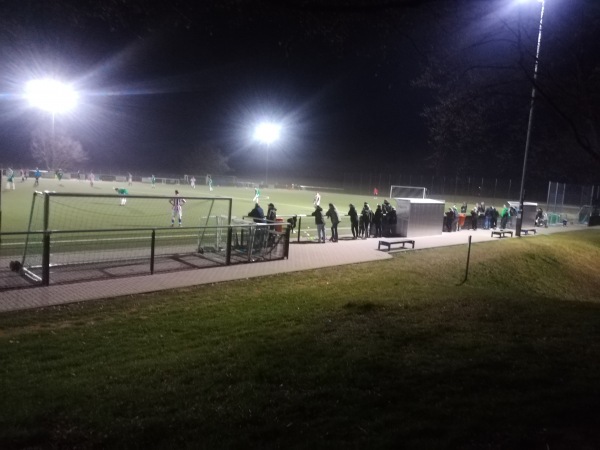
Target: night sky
339	81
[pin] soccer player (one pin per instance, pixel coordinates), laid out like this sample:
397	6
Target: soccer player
210	188
10	179
153	181
123	193
176	204
317	200
256	195
37	174
130	179
92	177
193	182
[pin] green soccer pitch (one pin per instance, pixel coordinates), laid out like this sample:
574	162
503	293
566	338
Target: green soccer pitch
16	204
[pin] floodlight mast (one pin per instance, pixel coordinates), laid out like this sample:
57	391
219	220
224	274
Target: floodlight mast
267	133
530	122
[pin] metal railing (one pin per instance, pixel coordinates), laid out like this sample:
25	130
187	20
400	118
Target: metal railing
59	256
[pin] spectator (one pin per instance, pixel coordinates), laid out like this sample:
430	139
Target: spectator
378	221
474	214
504	217
333	215
320	223
353	213
367	216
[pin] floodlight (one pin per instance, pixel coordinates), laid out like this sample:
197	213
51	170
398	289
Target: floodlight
51	95
267	132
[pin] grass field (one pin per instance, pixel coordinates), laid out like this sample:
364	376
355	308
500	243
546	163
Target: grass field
390	354
16	205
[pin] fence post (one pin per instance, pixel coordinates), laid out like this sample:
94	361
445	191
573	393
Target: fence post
229	243
46	259
152	243
299	227
286	249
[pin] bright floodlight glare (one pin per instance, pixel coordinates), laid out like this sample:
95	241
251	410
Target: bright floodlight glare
267	132
51	95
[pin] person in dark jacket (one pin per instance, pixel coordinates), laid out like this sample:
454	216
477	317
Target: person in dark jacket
353	213
333	215
378	221
474	214
366	215
258	215
320	223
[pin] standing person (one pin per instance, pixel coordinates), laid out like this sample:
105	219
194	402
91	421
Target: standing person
37	174
317	200
123	193
488	218
258	215
256	197
366	215
375	193
92	177
504	217
333	215
353	213
210	188
271	219
176	206
153	181
193	182
378	221
59	175
474	214
10	179
23	177
130	179
320	223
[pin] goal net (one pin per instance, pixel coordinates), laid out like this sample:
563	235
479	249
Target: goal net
408	192
99	228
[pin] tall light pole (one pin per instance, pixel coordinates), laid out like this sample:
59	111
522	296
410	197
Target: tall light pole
267	133
530	121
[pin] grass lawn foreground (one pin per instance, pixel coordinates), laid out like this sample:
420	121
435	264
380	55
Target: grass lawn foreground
392	354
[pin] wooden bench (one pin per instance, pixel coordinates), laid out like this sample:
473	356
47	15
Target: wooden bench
389	244
502	233
528	230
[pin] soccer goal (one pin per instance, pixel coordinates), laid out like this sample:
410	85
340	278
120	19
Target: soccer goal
97	230
408	192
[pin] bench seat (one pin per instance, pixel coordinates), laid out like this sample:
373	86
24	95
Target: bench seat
528	230
502	233
402	242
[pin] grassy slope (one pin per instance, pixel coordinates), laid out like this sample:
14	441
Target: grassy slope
382	355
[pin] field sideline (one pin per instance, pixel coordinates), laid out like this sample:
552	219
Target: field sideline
16	204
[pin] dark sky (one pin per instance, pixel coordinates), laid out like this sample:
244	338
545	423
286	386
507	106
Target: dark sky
149	97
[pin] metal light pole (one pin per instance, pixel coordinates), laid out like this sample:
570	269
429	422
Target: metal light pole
529	123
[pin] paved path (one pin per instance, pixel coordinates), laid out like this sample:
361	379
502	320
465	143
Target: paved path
303	256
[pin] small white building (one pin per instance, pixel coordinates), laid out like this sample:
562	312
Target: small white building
419	216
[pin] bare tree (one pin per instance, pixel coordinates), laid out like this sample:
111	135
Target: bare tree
207	158
480	75
56	150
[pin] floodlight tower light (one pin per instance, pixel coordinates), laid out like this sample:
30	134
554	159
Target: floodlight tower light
530	121
51	95
267	133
